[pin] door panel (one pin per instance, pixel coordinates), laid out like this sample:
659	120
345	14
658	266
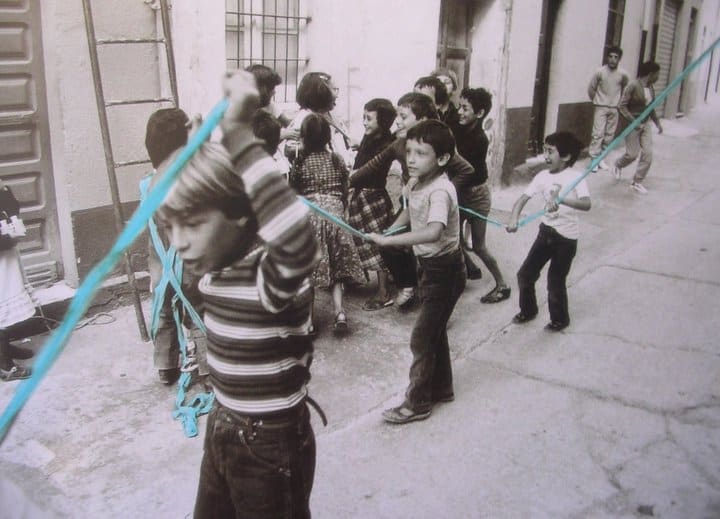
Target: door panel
25	163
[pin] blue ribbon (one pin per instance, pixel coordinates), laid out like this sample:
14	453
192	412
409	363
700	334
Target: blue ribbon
172	275
334	219
84	295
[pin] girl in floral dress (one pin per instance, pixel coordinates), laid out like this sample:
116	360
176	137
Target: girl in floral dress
322	177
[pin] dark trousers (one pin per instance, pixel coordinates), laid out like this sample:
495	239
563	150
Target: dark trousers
256	467
559	251
442	280
401	263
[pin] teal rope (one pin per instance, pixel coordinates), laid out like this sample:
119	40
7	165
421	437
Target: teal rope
203	402
634	124
84	295
482	217
394	230
332	218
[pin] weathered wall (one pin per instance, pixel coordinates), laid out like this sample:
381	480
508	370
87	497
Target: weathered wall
372	49
82	185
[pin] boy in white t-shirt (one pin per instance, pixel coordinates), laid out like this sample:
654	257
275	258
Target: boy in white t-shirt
559	231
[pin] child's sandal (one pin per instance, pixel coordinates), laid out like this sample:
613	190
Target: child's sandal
15	373
340	323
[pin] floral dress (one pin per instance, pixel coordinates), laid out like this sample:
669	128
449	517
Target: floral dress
322	178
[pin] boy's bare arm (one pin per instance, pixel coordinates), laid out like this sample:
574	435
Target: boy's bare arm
512	225
402	220
428	234
581	204
281	216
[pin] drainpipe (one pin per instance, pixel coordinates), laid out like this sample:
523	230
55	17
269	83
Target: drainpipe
499	141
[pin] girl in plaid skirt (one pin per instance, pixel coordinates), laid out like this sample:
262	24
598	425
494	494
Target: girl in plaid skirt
370	208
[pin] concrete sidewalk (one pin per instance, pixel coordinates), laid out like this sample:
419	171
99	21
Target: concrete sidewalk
618	416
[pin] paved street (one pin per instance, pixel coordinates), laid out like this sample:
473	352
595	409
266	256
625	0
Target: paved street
616	417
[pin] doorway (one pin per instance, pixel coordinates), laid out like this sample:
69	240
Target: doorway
25	162
538	113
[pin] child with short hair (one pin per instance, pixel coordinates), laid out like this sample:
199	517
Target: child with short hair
559	231
413	108
259	456
166	132
434	87
370	208
434	221
472	143
267	128
321	176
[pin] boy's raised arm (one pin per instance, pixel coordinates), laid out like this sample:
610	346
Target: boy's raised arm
281	216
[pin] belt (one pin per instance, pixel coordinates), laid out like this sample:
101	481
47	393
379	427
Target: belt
450	258
273	421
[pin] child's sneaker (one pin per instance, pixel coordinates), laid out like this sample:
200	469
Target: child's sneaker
639	188
603	165
405	298
616	172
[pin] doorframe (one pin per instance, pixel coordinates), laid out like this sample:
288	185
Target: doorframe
445	52
538	114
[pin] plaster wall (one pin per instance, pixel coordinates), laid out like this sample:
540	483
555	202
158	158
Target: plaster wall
524	34
373	48
577	51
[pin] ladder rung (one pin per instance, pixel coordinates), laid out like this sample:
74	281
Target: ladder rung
129	40
139	101
131	163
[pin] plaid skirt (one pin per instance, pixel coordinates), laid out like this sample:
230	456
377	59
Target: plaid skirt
15	302
370	210
339	261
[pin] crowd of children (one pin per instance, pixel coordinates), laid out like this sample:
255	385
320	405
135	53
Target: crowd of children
255	245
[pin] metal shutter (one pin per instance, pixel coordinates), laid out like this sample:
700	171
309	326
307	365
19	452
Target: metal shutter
665	46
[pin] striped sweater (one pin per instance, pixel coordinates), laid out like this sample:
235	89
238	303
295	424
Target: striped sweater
257	310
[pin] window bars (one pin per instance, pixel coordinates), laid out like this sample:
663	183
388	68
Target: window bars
270	32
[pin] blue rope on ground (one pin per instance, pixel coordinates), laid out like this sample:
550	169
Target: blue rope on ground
84	295
203	402
172	273
634	124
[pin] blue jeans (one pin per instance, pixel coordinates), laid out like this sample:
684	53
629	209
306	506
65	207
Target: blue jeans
442	280
559	251
256	467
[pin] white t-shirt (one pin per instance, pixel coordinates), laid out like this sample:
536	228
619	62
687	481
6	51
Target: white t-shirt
549	185
435	202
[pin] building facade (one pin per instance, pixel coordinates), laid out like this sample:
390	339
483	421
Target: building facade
536	57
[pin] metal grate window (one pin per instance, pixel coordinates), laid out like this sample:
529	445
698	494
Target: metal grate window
613	32
270	32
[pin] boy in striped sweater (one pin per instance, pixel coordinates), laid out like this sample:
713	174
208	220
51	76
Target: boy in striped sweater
259	457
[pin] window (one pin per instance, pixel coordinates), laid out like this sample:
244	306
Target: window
268	32
613	33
